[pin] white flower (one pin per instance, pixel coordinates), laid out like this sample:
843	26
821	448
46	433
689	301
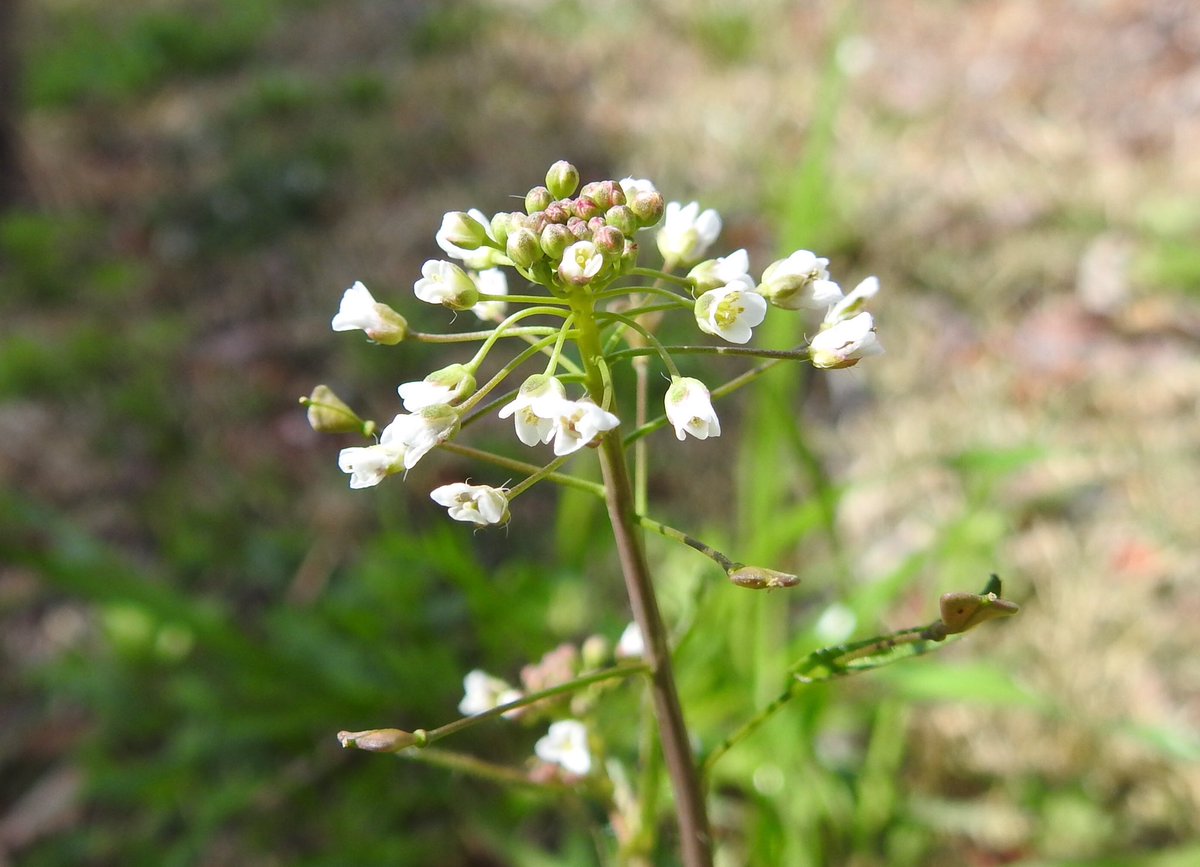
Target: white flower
446	284
580	263
686	232
690	409
852	303
371	465
491	281
420	432
731	311
633	187
535	408
482	692
478	259
800	280
577	423
565	744
844	343
713	273
449	385
359	309
463	231
475	504
631	643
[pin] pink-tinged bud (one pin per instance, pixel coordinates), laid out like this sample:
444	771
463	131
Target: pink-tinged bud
756	578
595	224
555	239
608	195
623	218
537	199
610	241
382	740
579	229
535	222
556	212
523	248
586	208
648	208
562	179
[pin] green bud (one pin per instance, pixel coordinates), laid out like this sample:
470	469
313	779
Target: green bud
648	208
595	652
562	179
463	230
523	248
622	217
757	578
610	241
555	239
381	740
502	223
537	199
327	413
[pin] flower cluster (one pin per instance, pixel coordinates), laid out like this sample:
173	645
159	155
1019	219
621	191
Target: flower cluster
577	248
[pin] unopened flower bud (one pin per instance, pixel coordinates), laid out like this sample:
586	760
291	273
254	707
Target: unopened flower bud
595	651
537	199
609	240
714	273
800	280
522	247
608	194
757	578
621	217
555	239
327	413
579	229
556	212
381	740
503	223
462	230
585	208
648	207
562	179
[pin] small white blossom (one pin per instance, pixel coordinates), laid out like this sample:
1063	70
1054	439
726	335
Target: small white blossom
690	409
370	465
479	259
844	343
474	504
491	281
630	644
577	423
713	273
359	309
446	284
535	408
687	233
450	385
421	431
566	745
580	263
482	692
731	311
633	187
799	281
852	303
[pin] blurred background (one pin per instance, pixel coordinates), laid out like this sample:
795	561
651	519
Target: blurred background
192	602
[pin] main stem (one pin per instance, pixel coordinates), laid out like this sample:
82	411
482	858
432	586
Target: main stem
694	838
